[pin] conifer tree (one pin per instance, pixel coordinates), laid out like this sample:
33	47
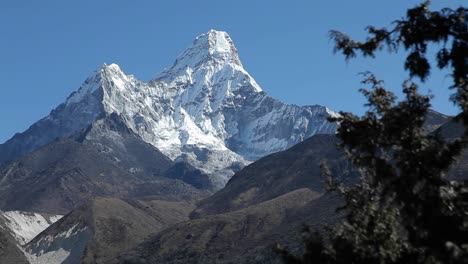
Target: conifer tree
404	209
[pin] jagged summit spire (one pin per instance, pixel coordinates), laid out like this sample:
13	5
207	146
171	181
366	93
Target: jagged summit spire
105	70
112	66
218	44
215	47
95	81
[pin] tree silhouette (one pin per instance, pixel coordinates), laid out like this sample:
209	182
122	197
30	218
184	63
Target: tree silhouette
404	209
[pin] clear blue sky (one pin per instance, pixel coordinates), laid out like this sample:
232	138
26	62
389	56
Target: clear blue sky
47	48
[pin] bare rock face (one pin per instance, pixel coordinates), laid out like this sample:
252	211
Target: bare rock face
205	110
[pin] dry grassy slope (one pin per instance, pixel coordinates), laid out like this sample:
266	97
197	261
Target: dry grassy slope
119	226
280	173
112	226
240	236
57	177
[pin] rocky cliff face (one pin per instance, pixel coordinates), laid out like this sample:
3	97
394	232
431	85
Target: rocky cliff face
206	110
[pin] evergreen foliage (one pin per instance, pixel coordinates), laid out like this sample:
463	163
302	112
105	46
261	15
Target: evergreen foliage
405	209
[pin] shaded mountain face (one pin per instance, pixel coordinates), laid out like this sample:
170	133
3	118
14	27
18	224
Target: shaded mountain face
189	174
102	228
61	175
434	120
9	250
451	131
113	139
206	110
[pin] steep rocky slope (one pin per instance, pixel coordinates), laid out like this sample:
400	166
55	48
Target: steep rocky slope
102	228
59	176
16	229
112	138
434	120
9	250
280	173
450	131
24	226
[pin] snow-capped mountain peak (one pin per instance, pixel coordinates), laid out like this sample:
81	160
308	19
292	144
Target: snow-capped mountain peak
206	109
109	74
214	46
220	46
211	53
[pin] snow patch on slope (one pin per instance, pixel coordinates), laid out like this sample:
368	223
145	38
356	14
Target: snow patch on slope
67	246
52	257
24	226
